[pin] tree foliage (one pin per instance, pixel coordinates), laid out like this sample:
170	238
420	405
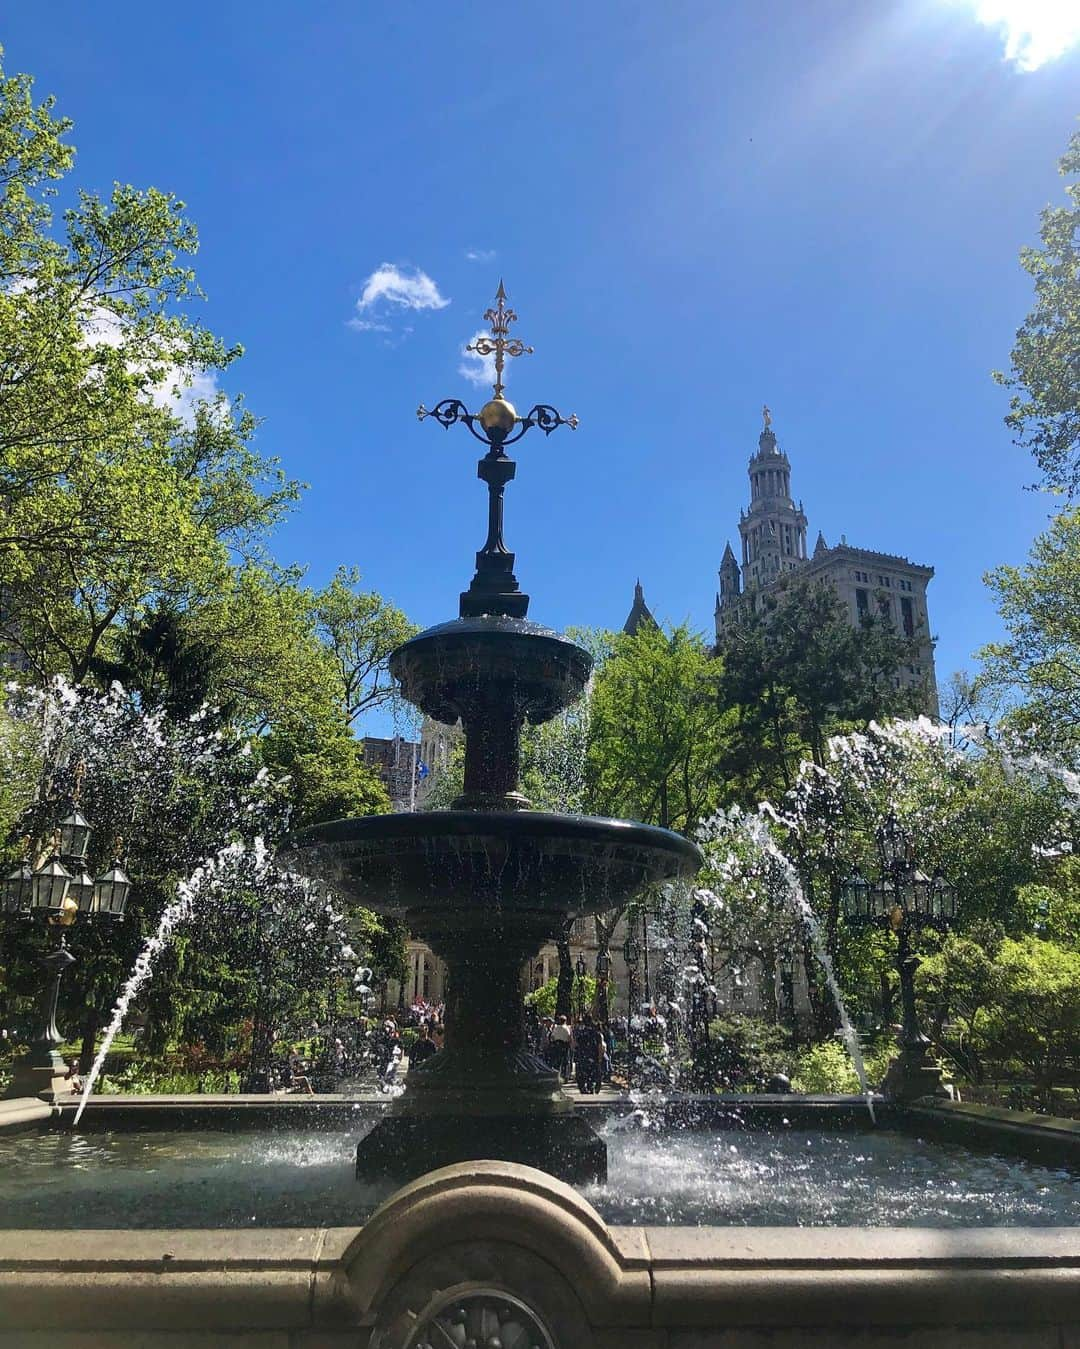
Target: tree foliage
126	477
656	730
359	630
1007	1005
1045	407
1040	660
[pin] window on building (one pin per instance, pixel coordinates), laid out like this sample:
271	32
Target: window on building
907	610
884	605
862	602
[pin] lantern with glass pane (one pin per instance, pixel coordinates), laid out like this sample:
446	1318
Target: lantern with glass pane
61	889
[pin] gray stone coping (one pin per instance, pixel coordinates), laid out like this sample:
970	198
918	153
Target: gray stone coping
601	1287
25	1112
492	1221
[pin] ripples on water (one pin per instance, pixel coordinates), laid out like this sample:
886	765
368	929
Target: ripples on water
272	1179
802	1179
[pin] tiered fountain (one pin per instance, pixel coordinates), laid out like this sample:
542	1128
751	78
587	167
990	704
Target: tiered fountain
487	882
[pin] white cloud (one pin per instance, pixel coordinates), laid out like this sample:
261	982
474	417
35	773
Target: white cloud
367	326
408	289
1034	31
478	370
480	254
182	389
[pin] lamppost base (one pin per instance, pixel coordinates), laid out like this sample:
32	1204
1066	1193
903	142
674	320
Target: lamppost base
912	1075
47	1080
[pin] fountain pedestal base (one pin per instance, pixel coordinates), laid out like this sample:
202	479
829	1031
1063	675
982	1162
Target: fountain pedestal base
402	1147
464	1106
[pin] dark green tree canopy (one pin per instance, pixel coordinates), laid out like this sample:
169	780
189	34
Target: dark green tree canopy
796	671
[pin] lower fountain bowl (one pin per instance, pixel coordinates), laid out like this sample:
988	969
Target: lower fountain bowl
454	862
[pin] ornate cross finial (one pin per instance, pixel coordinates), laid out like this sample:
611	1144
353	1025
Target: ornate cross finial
500	344
766	417
494	588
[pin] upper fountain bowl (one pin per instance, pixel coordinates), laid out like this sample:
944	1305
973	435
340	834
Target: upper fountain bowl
452	866
458	668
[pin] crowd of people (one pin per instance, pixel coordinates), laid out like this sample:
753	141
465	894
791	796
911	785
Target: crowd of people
582	1050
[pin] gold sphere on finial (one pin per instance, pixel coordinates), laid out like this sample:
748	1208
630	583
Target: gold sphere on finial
498	415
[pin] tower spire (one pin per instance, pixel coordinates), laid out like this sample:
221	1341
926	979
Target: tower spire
773	531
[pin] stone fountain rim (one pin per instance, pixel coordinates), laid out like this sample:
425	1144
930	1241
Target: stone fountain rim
504	825
490	625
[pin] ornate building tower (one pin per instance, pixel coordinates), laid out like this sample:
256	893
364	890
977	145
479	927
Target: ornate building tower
867	583
774	529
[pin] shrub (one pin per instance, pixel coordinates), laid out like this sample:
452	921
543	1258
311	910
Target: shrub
746	1051
826	1069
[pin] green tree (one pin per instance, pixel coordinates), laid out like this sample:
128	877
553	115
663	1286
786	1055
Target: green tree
1052	903
958	984
1040	606
359	629
656	734
657	730
1036	1019
972	816
121	484
1045	408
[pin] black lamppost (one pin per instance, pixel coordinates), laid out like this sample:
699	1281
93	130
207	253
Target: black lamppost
787	990
603	973
698	1021
902	900
631	954
580	969
61	889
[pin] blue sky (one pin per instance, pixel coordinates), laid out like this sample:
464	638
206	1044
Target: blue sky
697	207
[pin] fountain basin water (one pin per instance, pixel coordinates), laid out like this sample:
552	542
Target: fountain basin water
782	1176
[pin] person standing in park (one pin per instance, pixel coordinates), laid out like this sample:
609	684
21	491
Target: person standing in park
423	1049
560	1041
588	1051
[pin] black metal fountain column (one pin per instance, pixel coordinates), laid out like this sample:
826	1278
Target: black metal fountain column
488	881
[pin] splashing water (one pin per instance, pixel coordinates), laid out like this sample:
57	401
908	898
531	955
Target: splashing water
176	913
768	886
801	907
287	899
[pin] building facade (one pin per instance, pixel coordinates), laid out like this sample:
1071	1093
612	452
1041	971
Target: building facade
772	533
397	763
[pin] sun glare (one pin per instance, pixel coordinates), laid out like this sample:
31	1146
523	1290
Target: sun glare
1034	31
